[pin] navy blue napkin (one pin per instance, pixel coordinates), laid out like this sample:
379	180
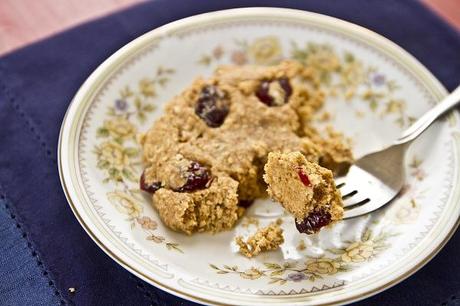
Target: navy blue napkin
38	82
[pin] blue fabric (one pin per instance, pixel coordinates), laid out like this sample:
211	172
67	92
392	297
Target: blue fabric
22	275
36	86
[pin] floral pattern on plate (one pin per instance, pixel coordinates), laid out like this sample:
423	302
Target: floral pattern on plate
118	154
281	273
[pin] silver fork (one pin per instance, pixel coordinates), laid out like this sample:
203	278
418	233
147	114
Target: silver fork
376	178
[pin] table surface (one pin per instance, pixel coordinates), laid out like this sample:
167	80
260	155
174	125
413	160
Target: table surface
25	21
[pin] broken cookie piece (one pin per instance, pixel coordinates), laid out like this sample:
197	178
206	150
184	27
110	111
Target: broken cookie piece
265	239
305	189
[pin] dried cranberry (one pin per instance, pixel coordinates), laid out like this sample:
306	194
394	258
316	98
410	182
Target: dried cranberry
245	203
197	176
286	85
150	188
212	106
304	177
263	91
313	222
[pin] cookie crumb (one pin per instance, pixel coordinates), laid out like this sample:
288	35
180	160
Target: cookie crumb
279	221
325	116
72	290
247	221
265	239
301	246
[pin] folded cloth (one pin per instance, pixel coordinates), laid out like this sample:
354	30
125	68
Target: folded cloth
38	82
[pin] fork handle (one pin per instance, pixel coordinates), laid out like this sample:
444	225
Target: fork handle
419	126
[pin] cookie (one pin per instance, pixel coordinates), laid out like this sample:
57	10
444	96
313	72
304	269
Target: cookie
217	134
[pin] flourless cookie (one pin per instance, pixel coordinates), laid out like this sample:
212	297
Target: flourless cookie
305	189
206	153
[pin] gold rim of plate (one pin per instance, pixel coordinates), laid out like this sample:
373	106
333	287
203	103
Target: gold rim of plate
71	125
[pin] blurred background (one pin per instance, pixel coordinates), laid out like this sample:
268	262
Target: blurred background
25	21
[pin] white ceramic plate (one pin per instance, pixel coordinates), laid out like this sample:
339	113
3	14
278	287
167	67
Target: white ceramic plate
375	89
